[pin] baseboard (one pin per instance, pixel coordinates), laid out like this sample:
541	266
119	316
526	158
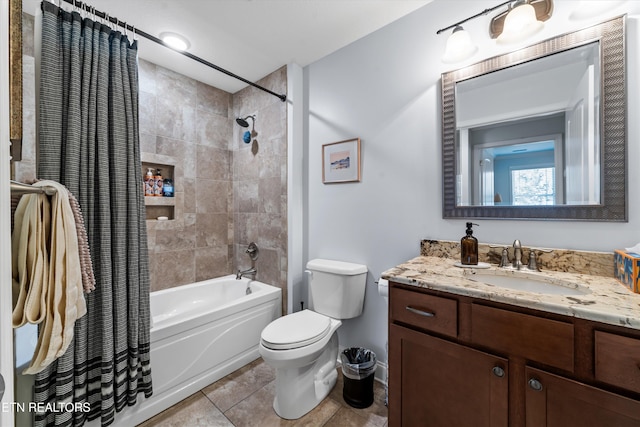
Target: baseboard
381	372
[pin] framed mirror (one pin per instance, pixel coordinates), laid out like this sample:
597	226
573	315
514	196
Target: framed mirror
539	133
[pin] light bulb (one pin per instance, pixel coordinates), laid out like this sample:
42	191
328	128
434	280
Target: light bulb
520	23
459	46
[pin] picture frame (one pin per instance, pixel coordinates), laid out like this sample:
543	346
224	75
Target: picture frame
341	161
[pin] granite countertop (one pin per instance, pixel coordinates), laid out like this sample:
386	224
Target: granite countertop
607	300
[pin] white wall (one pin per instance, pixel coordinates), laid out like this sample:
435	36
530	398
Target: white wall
385	89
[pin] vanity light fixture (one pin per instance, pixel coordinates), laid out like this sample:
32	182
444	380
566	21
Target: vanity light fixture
175	41
525	18
520	23
459	46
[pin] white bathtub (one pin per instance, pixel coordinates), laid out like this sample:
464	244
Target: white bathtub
200	333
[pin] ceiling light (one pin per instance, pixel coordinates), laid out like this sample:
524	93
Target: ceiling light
520	23
459	46
176	41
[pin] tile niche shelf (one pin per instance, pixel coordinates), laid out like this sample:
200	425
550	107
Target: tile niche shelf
157	206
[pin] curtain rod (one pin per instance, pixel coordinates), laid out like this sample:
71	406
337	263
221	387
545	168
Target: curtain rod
20	188
155	39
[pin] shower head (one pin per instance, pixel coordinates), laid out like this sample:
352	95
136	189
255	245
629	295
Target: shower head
243	122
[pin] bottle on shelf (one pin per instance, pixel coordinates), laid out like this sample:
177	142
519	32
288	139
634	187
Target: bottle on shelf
149	182
167	188
157	189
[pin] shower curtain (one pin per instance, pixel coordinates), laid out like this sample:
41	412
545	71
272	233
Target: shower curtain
88	141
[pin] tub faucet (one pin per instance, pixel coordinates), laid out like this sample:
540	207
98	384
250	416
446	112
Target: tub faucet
249	272
517	255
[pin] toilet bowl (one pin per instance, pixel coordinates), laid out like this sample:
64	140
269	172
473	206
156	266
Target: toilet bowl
303	346
305	372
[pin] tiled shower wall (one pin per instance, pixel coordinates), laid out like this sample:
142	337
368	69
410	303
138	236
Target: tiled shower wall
187	124
228	193
260	180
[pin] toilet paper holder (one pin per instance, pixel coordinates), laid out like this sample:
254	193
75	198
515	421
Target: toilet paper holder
383	287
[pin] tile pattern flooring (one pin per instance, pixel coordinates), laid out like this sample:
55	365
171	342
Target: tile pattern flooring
245	398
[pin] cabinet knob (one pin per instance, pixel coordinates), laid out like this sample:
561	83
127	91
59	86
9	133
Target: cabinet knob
535	384
498	371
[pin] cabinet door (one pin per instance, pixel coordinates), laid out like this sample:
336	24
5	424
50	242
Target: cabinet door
554	401
433	382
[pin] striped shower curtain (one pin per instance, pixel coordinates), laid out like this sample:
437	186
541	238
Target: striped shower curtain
88	141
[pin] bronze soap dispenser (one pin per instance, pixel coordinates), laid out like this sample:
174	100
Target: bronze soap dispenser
469	247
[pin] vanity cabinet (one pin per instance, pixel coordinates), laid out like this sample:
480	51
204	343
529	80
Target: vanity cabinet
445	384
461	361
553	400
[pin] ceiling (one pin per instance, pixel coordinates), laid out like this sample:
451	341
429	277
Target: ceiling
250	38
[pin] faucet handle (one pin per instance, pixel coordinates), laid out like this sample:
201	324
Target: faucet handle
252	251
504	260
533	264
533	257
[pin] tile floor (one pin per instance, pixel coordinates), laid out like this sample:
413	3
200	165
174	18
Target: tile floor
245	398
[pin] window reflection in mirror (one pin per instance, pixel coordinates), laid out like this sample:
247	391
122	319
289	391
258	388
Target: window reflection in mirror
529	135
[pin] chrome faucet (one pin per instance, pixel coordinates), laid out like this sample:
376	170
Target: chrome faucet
249	272
517	254
517	264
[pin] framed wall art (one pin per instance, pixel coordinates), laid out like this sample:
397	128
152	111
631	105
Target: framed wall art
341	161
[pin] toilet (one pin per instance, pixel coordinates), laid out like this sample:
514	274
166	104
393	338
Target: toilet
303	346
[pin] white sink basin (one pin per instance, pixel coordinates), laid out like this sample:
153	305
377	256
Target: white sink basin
529	283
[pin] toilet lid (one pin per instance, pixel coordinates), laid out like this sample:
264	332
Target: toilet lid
295	330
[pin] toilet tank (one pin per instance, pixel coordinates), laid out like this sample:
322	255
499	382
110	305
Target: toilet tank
336	288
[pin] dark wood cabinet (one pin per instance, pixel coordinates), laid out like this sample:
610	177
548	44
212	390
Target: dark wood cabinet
556	401
445	384
460	361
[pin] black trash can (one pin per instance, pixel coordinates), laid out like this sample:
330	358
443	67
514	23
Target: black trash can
358	369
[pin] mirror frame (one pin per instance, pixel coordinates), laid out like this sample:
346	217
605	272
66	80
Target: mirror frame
613	117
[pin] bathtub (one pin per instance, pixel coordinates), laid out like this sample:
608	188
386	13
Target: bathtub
200	333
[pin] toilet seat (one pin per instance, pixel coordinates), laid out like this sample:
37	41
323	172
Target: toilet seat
296	330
